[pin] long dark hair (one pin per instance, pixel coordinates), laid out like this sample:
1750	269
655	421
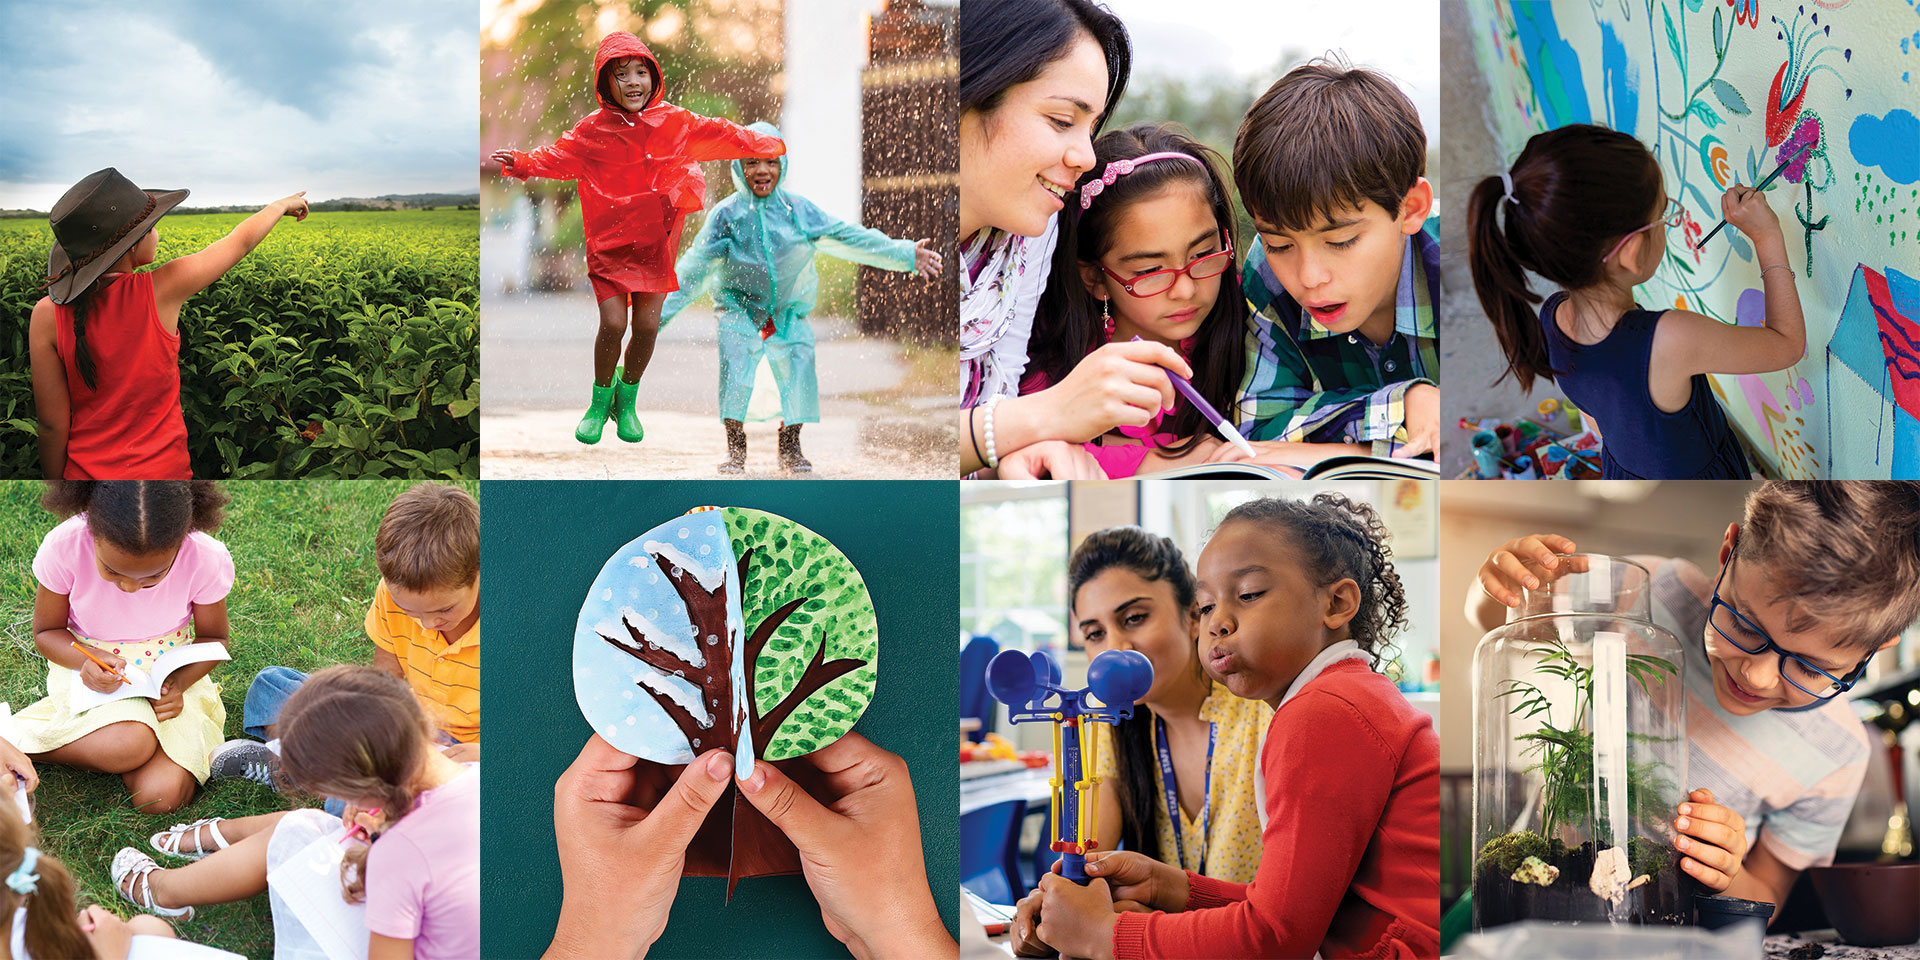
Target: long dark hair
1339	539
1067	324
141	517
1004	43
1577	190
82	357
1153	559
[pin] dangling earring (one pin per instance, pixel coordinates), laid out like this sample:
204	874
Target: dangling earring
1107	319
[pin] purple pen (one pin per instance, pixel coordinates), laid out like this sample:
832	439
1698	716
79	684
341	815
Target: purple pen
1206	410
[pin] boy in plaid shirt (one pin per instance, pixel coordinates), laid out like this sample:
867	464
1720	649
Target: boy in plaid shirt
1343	280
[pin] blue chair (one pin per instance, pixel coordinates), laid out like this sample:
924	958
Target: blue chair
974	700
990	851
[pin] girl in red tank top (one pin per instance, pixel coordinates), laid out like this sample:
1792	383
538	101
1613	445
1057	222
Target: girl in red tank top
105	342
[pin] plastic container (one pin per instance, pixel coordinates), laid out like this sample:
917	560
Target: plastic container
1718	912
1580	755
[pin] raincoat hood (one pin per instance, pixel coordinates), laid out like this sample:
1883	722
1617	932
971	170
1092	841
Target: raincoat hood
740	168
623	44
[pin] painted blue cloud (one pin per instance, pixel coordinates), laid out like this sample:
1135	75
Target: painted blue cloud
1891	142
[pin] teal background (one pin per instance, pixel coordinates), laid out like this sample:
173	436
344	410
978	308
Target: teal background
542	544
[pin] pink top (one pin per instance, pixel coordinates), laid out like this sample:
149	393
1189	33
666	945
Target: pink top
1120	460
98	610
423	874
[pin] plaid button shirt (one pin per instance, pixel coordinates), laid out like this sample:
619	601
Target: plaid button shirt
1305	383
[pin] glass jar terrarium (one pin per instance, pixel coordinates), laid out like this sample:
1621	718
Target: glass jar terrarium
1580	755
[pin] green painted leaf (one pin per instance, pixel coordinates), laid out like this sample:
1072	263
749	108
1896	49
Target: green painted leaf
1730	98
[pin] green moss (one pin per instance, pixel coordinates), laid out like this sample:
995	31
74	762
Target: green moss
1504	853
1648	857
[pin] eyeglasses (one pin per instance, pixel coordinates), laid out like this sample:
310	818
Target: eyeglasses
1671	217
1747	637
1160	281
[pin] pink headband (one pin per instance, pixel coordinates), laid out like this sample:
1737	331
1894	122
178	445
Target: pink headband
1120	168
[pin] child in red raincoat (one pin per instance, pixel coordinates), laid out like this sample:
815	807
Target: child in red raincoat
634	162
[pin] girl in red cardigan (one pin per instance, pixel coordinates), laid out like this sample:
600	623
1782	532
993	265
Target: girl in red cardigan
1296	599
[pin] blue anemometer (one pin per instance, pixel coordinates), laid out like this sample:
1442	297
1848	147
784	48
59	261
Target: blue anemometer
1025	683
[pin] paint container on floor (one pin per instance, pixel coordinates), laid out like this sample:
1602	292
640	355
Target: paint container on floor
1548	408
1486	454
1507	439
1523	468
1573	419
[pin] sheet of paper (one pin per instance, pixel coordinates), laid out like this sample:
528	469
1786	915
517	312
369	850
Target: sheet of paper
310	885
170	948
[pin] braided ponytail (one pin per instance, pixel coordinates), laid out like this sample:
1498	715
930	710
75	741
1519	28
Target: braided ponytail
82	357
1342	539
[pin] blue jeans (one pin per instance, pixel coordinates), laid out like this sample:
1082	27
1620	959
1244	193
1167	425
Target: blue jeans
266	696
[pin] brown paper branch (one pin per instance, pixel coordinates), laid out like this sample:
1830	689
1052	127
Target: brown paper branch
707	611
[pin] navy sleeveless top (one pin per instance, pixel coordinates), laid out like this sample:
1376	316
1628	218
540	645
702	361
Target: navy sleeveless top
1608	381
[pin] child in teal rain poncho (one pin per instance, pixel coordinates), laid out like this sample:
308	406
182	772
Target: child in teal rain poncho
755	254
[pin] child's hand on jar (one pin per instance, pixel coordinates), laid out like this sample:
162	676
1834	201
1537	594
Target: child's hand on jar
1713	840
1527	563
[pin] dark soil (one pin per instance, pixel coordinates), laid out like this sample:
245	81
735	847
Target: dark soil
1665	899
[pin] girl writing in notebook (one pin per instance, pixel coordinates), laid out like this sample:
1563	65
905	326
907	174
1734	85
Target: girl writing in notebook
412	825
132	573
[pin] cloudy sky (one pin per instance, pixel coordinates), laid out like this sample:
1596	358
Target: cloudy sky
1246	37
242	103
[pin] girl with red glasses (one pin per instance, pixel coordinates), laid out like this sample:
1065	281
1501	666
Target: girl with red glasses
1154	241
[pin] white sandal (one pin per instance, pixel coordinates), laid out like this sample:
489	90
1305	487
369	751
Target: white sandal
169	840
132	865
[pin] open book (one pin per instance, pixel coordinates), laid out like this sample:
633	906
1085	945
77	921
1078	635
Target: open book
1345	467
145	683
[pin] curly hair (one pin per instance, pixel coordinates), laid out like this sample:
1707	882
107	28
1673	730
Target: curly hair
140	516
1341	539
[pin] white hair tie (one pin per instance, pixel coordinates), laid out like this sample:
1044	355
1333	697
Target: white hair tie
1507	178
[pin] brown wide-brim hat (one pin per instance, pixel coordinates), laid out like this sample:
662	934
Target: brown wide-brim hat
97	222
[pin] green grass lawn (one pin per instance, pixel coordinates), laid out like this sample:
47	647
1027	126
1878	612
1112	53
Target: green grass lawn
304	573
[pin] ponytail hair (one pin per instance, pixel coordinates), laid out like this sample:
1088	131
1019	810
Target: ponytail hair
51	927
355	732
1341	539
140	516
82	357
1576	190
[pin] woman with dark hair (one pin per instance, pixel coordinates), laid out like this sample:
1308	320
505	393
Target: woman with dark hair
1176	780
1037	80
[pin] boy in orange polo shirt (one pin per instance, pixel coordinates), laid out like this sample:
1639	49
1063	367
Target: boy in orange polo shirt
424	623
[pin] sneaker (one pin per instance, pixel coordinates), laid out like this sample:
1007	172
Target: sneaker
246	760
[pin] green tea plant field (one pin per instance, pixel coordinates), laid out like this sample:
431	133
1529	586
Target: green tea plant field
343	346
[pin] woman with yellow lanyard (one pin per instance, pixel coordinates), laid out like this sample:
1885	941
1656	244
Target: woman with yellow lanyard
1176	780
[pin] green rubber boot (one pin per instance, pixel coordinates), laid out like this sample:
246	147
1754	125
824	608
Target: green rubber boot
589	429
626	422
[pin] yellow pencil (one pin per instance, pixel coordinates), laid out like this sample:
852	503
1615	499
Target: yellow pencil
102	665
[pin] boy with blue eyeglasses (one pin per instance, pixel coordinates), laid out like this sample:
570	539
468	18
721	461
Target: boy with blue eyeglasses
1817	578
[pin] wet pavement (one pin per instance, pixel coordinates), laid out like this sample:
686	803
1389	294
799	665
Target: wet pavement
539	371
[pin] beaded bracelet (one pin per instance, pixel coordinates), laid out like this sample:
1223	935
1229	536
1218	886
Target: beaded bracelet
993	451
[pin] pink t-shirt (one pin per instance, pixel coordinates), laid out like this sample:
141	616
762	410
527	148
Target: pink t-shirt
98	610
423	874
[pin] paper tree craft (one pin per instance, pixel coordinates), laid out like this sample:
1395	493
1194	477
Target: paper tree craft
727	627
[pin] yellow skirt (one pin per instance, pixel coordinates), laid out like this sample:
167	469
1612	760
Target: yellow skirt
188	739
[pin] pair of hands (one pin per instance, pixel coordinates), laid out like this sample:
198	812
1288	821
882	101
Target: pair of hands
101	680
1713	838
859	850
1068	918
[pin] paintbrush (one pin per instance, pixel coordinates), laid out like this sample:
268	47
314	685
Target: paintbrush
1206	410
1763	185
